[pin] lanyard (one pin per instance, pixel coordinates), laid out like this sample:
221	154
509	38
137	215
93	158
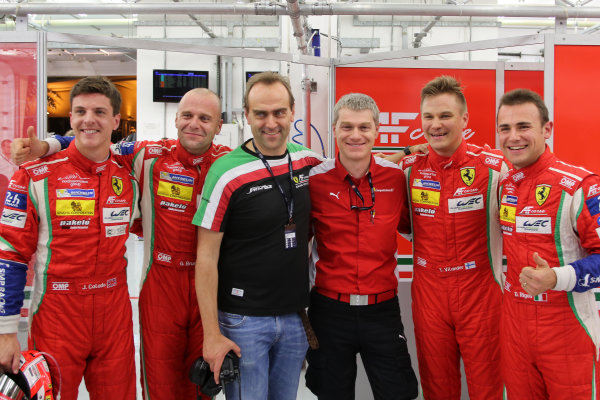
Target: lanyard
289	203
360	196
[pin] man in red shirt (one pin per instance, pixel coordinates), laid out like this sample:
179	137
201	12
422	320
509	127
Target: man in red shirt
358	204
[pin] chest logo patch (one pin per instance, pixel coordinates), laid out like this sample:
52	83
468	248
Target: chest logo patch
467	175
75	207
425	197
117	185
175	191
541	193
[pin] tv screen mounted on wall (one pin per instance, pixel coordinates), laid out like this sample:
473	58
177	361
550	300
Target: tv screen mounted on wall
170	85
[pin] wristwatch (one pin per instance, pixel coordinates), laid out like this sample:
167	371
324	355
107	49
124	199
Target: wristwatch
407	150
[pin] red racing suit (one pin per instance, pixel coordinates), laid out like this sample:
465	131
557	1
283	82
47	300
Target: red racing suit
171	331
75	215
171	180
550	341
457	279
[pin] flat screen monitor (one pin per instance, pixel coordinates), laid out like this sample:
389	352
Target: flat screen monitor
170	85
250	73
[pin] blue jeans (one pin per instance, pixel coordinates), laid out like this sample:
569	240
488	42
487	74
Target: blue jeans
273	349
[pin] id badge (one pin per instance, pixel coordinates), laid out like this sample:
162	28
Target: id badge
290	236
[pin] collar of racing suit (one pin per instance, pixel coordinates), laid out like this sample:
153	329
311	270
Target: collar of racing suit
194	160
84	163
517	176
442	162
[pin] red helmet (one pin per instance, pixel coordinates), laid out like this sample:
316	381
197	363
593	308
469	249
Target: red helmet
32	382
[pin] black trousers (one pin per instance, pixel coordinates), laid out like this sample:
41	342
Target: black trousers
373	331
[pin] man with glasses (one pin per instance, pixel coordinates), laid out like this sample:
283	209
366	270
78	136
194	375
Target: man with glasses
358	204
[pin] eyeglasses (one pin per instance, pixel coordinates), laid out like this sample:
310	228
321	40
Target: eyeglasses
360	196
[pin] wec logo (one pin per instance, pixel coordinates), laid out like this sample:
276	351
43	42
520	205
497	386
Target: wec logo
539	223
470	202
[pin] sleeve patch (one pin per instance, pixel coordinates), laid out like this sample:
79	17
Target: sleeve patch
13	218
12	281
593	205
16	200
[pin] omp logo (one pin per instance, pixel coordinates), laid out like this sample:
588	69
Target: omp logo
163	257
154	151
568	183
259	188
60	285
534	225
41	170
518	176
421	261
465	204
492	161
197	161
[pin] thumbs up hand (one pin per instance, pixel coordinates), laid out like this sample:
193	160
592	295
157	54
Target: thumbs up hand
27	149
538	279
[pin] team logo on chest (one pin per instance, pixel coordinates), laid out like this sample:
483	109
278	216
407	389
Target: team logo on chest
117	185
541	193
467	175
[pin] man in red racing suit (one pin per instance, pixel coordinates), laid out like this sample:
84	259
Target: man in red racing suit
550	216
171	174
456	288
73	210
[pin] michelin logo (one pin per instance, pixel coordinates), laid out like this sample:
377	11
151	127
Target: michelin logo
423	183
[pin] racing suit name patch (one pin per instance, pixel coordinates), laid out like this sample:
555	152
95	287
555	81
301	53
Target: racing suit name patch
75	207
175	191
425	197
465	204
12	218
116	230
534	225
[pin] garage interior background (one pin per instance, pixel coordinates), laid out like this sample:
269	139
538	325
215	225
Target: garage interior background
388	50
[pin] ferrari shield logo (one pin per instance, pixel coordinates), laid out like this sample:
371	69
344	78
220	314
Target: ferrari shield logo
117	185
467	175
541	193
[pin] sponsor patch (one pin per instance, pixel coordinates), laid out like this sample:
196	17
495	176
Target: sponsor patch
74	224
197	161
237	292
175	191
427	184
259	188
421	261
40	170
529	210
427	212
112	215
463	191
115	230
169	205
75	207
154	151
124	148
428	197
82	193
470	265
164	257
467	175
465	204
60	286
568	183
300	180
541	225
593	205
518	176
508	199
13	218
507	214
541	193
16	200
177	178
492	161
594	190
115	200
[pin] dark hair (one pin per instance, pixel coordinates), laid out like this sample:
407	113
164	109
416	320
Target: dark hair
98	84
522	96
444	84
268	78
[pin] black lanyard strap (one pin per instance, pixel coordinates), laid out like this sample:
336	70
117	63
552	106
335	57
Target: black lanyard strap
360	196
289	202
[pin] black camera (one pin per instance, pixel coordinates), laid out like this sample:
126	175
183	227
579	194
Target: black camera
201	375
